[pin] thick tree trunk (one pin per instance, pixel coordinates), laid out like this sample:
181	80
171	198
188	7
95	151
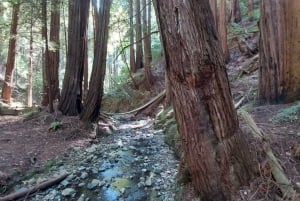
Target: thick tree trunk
147	49
214	9
131	38
214	150
54	52
93	101
235	11
223	29
8	80
279	79
71	95
138	31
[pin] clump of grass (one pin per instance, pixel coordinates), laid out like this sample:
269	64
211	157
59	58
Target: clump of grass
289	114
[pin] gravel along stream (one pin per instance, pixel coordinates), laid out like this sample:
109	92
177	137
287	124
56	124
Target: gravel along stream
132	164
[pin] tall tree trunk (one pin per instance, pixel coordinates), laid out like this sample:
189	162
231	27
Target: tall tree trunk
8	80
147	49
223	29
131	39
149	19
138	31
93	101
215	152
71	95
30	66
235	11
47	66
279	79
250	9
54	53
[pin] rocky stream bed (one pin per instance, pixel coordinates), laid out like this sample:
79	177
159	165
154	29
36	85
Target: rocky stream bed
131	164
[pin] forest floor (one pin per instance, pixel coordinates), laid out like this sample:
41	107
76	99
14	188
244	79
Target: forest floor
27	147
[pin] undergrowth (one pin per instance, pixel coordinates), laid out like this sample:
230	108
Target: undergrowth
289	114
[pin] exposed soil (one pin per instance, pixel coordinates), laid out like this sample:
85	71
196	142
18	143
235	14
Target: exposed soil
27	143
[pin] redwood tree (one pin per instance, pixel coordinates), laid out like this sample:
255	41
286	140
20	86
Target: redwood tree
147	46
235	11
222	28
71	94
8	80
131	38
93	100
215	153
279	79
138	32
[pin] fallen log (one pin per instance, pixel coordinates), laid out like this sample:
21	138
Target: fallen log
41	186
139	109
281	179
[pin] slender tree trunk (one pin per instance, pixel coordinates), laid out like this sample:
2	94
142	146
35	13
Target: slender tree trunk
235	11
30	66
279	79
215	152
250	9
149	6
92	105
147	49
47	57
131	39
71	95
223	29
138	31
8	80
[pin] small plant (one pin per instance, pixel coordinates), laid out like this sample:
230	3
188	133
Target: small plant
289	114
55	125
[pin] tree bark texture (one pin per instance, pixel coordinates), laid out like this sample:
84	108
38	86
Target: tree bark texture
138	32
223	29
71	95
147	48
250	9
93	101
214	150
235	11
279	79
10	64
214	9
48	93
55	46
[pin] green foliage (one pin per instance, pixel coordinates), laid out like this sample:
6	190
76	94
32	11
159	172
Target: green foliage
256	14
55	125
289	114
235	29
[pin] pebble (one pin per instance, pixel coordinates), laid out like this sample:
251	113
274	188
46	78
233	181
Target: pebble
123	162
68	192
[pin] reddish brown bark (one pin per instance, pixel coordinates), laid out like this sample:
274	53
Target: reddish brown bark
147	49
279	79
131	38
222	28
214	150
92	105
8	80
138	31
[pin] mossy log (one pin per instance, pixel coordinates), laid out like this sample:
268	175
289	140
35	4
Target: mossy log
281	179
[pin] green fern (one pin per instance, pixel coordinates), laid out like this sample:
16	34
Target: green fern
55	125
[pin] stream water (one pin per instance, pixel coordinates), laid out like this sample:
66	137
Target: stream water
132	164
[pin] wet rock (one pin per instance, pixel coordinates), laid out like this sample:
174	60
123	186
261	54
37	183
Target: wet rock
84	175
93	184
68	192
